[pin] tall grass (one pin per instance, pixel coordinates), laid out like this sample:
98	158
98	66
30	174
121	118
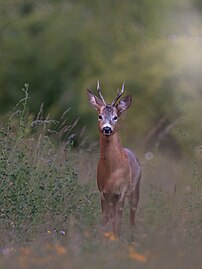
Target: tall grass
37	181
50	211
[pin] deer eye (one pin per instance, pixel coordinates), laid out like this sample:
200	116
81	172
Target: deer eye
100	117
115	118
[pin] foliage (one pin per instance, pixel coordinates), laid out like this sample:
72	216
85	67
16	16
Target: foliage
63	47
36	174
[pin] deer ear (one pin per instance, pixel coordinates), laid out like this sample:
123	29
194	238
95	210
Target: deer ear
94	100
123	104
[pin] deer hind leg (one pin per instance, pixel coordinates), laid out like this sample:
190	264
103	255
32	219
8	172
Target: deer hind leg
133	200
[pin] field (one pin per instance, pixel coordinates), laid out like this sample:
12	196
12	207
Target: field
50	211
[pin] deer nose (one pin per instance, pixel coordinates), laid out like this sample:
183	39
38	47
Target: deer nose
107	130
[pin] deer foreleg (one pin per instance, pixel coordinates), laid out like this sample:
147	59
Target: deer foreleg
117	210
105	211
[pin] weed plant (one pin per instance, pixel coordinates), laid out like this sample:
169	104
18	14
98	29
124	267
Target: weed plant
37	181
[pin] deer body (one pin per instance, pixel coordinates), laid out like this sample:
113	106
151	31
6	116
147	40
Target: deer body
118	171
113	170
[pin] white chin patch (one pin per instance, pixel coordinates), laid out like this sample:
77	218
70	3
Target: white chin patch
107	134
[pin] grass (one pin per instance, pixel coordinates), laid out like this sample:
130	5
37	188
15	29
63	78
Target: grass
50	211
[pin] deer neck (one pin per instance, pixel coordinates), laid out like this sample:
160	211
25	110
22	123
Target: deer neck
111	149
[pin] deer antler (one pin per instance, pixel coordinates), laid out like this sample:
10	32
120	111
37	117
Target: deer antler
119	93
99	92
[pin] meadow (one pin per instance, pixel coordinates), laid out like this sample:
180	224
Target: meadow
50	210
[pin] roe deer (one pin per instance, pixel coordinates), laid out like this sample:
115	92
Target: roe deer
118	171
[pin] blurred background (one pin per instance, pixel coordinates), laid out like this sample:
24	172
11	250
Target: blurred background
61	48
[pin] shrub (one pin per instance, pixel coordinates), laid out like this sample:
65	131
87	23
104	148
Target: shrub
36	174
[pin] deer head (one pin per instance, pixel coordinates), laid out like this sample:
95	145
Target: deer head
108	114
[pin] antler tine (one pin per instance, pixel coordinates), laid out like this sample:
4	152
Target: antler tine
119	94
99	92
